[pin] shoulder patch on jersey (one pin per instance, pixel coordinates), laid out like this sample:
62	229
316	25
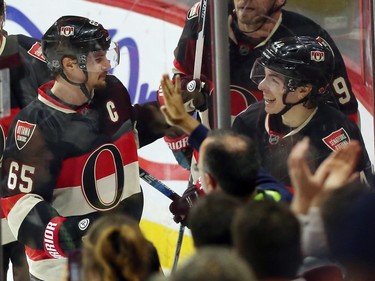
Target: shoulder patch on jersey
337	139
193	12
36	52
23	133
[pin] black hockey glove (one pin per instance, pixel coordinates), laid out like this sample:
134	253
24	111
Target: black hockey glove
180	208
194	92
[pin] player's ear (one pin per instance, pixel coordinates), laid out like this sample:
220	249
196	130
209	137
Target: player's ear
303	91
68	63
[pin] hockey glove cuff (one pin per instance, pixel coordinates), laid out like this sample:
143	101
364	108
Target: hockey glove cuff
178	143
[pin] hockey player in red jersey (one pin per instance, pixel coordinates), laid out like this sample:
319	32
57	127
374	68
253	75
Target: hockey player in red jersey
71	154
21	56
293	75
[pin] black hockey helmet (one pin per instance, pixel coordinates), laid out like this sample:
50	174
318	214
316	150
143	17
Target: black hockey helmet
301	59
73	36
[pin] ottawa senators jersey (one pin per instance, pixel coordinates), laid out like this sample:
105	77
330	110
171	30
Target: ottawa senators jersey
243	53
64	166
327	128
27	71
22	55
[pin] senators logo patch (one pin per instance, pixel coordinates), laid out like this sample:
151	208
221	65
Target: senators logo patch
317	56
36	52
337	139
23	133
67	30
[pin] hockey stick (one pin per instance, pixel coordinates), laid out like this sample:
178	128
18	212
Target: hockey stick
178	247
157	184
180	236
200	40
199	46
154	182
196	75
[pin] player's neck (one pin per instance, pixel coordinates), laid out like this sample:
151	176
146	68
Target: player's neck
68	93
255	30
295	116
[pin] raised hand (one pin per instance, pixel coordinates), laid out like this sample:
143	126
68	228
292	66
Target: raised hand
173	108
334	172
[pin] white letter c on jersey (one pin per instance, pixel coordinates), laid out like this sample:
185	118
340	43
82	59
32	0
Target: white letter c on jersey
112	111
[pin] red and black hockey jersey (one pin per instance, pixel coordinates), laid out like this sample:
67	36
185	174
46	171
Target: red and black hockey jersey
27	71
327	128
64	166
243	53
22	55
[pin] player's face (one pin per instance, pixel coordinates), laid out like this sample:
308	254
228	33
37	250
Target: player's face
97	68
273	88
253	11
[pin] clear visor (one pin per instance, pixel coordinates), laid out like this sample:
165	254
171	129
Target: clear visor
113	55
257	73
105	59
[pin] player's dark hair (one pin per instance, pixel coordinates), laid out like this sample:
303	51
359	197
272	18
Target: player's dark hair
267	235
232	160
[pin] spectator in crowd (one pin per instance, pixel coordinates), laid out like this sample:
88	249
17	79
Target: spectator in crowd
266	234
212	263
115	249
210	219
229	162
311	188
294	75
347	215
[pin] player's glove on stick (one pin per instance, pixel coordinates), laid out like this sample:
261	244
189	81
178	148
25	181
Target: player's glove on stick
180	208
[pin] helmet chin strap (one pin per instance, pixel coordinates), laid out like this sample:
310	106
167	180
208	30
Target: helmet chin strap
289	106
82	85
